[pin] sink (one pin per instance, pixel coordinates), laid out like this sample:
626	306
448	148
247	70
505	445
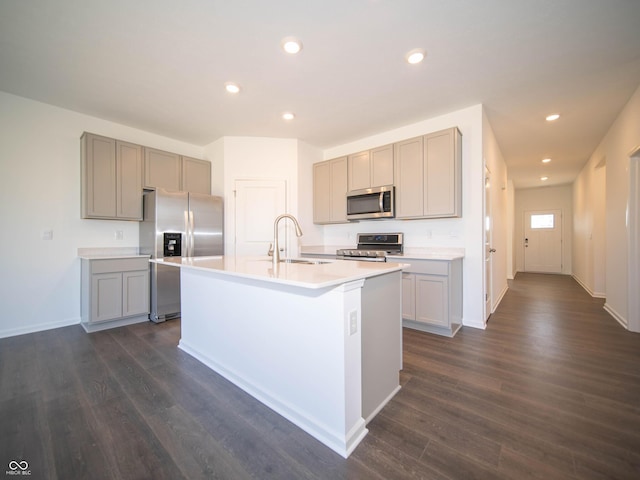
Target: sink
304	261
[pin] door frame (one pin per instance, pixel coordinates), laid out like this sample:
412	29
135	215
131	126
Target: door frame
633	212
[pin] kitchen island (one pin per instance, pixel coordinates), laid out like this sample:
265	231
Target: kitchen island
319	343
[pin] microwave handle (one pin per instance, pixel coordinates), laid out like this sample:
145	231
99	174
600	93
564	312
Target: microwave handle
381	202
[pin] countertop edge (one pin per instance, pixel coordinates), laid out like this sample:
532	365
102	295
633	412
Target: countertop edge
384	268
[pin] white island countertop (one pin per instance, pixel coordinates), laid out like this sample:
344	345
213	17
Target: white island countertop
316	276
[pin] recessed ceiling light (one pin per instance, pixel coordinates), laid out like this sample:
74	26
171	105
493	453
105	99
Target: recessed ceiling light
231	87
546	160
544	179
415	56
552	117
291	45
288	116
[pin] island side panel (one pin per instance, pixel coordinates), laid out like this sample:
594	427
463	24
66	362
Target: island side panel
381	341
289	347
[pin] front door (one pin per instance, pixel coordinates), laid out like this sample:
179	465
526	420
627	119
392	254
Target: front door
543	241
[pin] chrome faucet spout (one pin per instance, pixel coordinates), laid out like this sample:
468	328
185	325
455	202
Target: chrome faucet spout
276	246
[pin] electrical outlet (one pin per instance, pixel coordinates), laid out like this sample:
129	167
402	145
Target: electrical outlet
47	235
353	322
119	235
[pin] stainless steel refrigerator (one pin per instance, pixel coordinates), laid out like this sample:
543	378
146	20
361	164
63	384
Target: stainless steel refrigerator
177	224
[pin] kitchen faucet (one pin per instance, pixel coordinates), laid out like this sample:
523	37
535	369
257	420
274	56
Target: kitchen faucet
276	247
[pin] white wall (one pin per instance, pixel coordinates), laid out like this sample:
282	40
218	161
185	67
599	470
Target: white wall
544	198
255	158
465	232
500	207
40	190
622	138
307	156
589	227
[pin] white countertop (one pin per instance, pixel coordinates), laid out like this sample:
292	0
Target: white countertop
416	253
99	253
333	273
429	254
110	257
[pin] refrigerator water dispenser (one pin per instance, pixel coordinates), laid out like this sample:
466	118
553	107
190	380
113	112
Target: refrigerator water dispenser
172	244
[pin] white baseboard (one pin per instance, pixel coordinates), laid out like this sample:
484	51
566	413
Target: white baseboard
500	297
619	318
473	324
12	332
588	290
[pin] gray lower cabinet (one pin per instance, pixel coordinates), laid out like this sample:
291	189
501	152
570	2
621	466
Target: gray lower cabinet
432	296
114	292
111	178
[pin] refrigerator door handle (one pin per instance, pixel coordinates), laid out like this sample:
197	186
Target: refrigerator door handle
186	234
192	229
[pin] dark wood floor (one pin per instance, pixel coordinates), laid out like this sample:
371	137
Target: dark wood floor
550	390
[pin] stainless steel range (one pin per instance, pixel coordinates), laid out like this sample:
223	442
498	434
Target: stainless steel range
373	247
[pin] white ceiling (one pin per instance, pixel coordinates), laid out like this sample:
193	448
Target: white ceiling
161	65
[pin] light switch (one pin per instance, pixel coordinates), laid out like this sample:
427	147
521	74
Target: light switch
47	235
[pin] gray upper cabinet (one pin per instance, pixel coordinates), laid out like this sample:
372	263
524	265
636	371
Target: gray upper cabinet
428	175
329	191
442	174
359	175
409	178
162	170
196	175
371	168
128	180
111	182
176	172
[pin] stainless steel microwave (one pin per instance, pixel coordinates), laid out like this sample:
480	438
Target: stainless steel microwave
377	202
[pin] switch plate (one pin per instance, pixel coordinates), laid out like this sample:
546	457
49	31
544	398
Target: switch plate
119	235
47	235
353	322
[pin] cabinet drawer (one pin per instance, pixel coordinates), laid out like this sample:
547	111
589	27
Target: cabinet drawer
119	265
429	267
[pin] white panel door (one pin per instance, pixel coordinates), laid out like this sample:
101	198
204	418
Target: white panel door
258	203
488	248
543	241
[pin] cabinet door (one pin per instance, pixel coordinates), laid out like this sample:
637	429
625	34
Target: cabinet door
322	192
359	171
196	175
409	176
442	174
408	296
161	170
106	296
339	190
432	302
135	293
129	181
98	176
382	166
